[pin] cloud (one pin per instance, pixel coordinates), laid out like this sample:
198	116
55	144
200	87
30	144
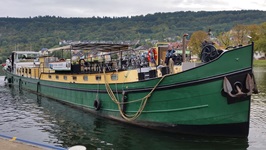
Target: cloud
89	8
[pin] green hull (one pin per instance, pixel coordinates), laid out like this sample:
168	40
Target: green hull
191	102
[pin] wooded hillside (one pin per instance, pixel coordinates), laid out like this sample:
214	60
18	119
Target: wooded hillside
47	31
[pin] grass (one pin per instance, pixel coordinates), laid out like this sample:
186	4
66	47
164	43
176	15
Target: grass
259	63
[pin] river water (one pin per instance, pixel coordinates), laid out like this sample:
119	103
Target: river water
43	120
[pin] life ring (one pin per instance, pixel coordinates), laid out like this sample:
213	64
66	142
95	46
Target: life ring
152	55
97	104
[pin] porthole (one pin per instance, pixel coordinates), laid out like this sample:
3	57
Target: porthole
98	77
114	77
74	78
85	78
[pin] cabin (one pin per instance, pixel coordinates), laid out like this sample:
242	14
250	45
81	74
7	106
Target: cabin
88	62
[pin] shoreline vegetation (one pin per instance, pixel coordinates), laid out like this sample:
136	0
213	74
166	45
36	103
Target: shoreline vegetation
41	32
259	63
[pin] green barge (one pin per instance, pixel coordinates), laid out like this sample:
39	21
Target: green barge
211	98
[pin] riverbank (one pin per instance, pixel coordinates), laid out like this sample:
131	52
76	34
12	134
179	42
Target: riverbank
259	63
12	145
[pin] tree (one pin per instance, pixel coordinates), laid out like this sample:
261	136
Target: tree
239	33
46	31
253	32
260	44
225	39
196	40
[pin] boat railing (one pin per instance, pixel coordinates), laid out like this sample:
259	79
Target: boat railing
43	69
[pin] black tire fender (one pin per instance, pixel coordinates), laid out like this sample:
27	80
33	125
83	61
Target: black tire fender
97	104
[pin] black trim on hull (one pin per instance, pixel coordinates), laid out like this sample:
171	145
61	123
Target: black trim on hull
218	130
228	130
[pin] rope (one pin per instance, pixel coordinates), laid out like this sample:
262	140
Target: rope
97	94
142	105
116	86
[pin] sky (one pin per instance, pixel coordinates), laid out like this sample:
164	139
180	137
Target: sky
118	8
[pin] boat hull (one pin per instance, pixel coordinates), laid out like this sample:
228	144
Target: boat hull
191	102
227	130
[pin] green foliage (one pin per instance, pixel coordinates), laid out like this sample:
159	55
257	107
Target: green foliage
196	41
224	38
259	63
46	31
260	45
260	41
61	54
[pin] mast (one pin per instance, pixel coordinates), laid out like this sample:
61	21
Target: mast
184	47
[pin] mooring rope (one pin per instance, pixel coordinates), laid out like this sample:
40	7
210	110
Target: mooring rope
142	105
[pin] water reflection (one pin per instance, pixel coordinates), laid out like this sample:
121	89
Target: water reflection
71	127
260	74
43	120
257	136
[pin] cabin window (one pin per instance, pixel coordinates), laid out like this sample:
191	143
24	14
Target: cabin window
56	77
49	76
85	78
98	77
65	77
29	71
74	78
26	70
114	77
22	70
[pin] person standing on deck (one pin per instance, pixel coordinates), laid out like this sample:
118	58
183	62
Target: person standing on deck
8	64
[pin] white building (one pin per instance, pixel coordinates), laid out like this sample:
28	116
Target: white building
259	55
